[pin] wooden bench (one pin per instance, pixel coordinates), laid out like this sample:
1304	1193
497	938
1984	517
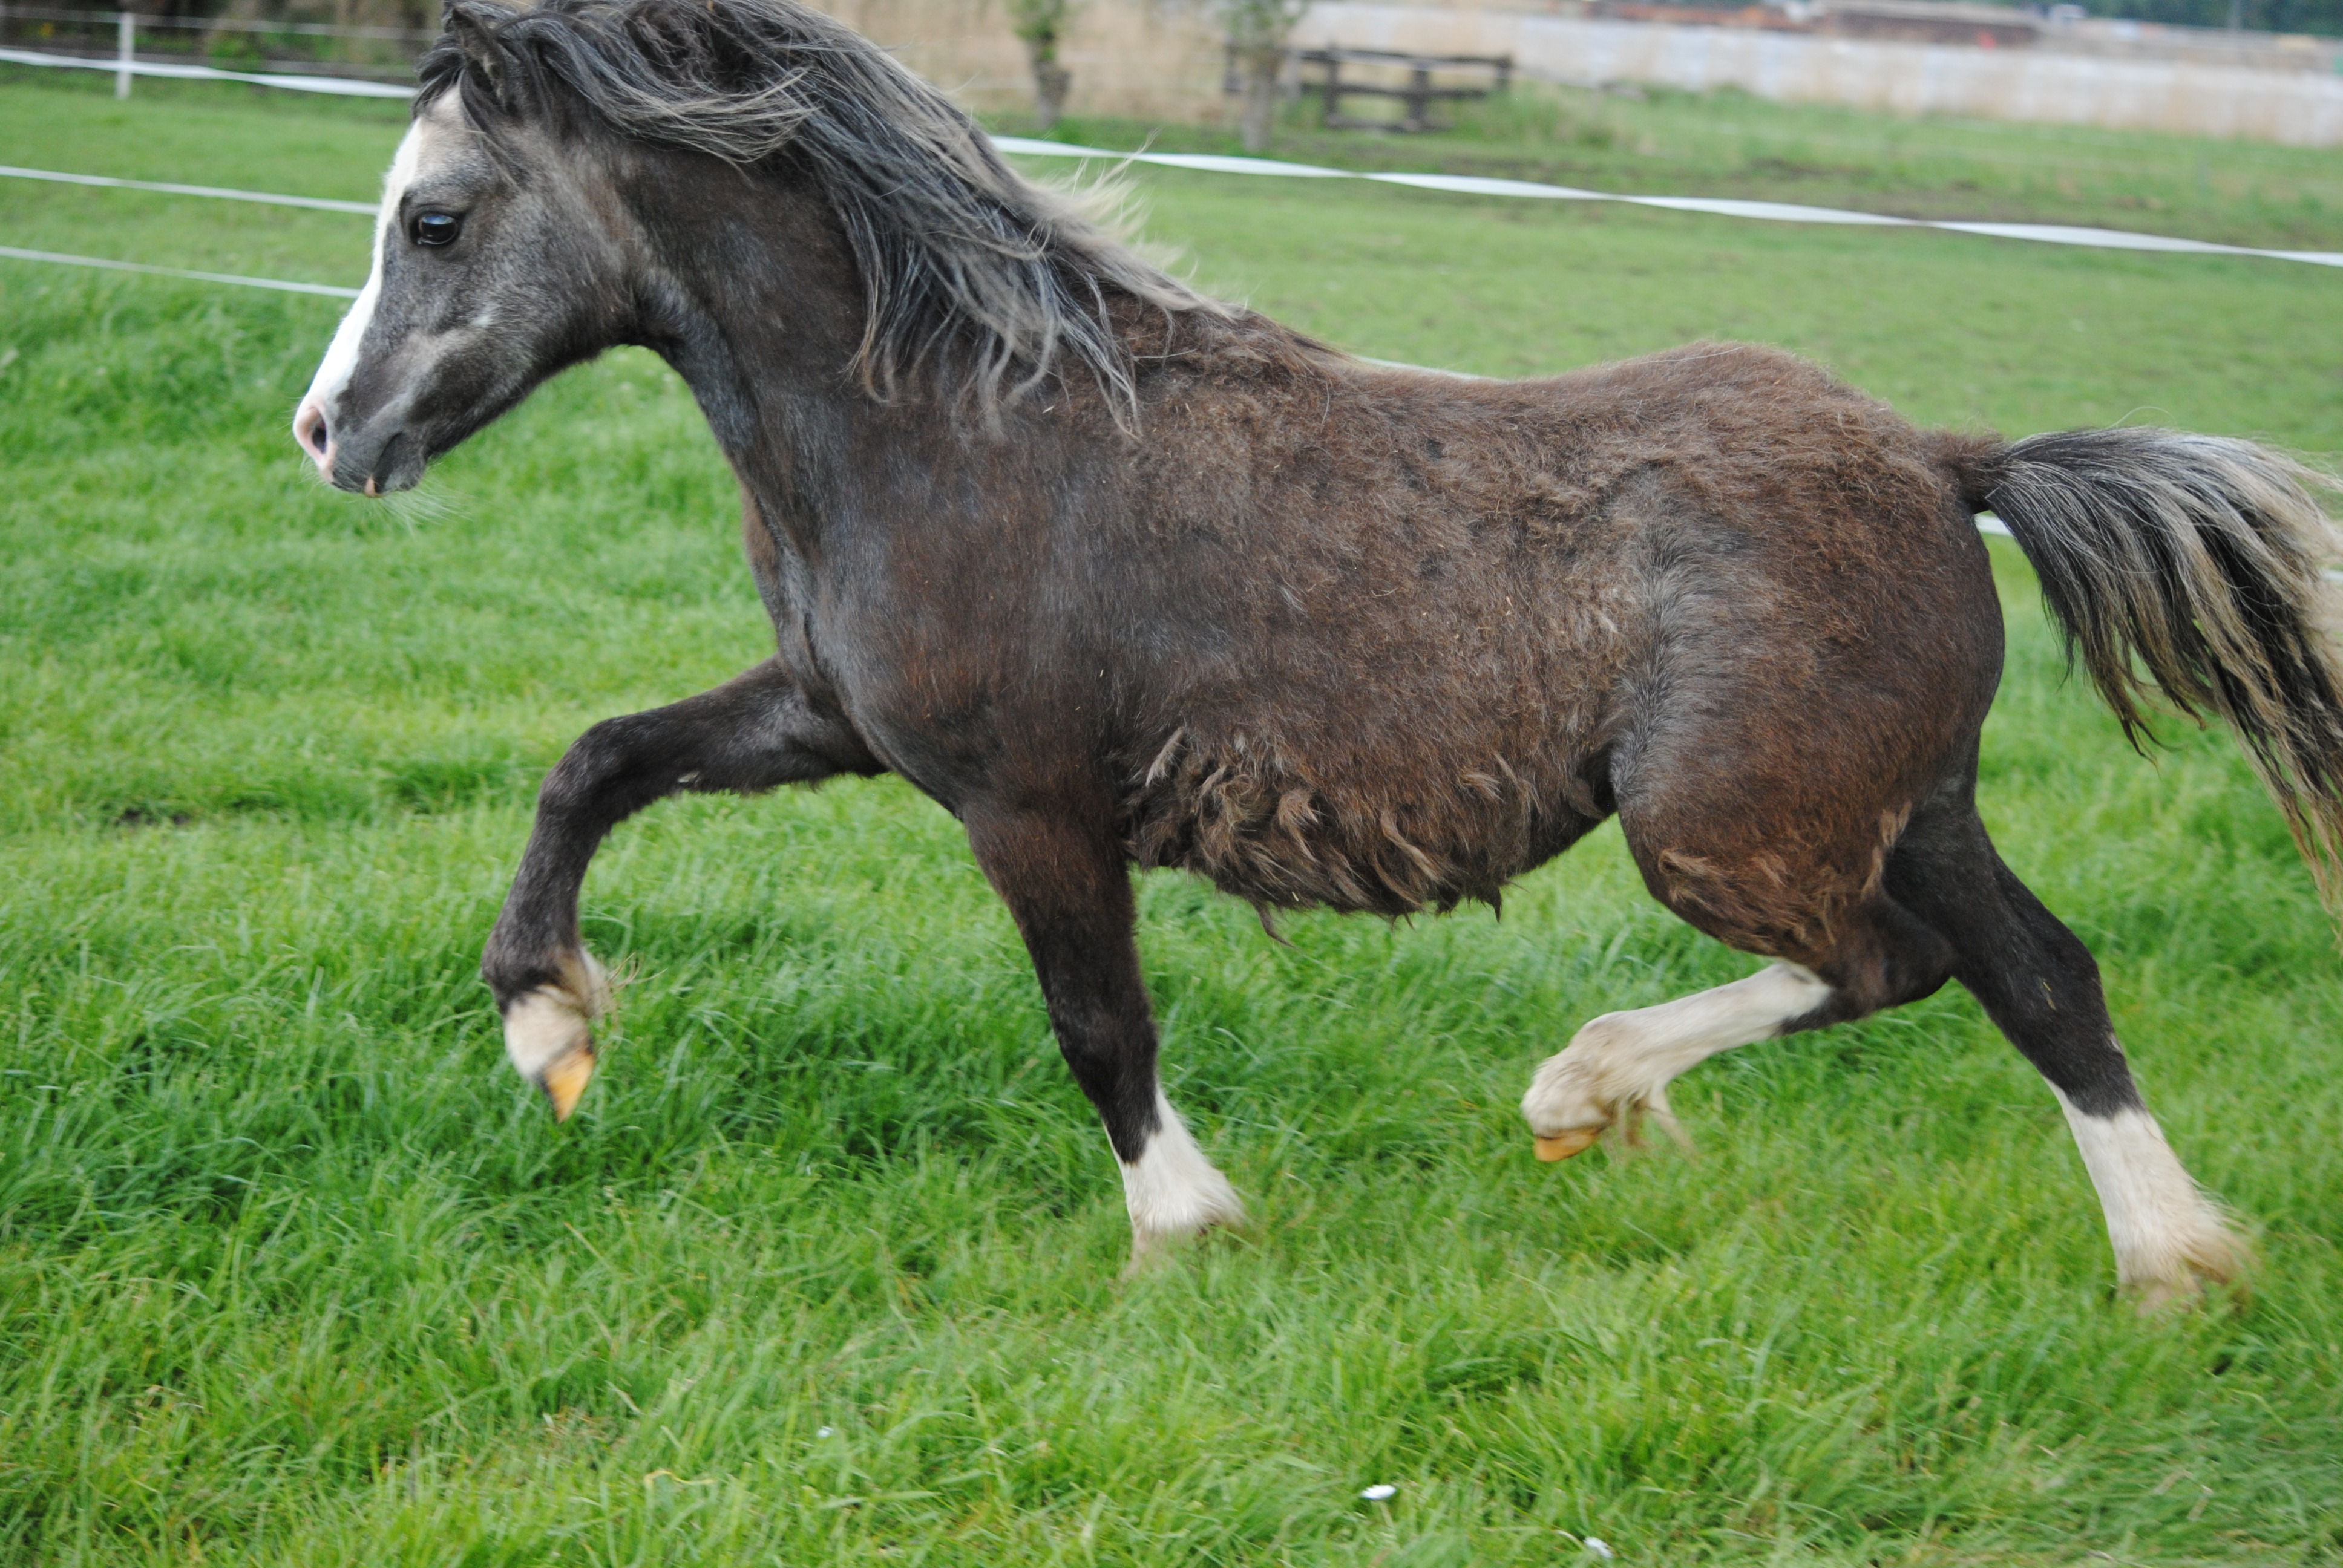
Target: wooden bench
1417	95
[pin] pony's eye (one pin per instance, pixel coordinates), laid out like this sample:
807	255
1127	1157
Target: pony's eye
437	227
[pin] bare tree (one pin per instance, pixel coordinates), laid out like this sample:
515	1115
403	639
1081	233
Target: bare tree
1042	25
1257	32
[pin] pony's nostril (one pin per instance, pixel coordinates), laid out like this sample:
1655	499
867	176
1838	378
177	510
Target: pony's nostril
310	430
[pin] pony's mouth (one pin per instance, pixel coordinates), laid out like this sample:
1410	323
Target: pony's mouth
396	465
392	470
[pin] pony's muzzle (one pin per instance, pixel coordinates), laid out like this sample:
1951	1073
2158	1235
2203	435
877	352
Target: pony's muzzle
375	459
378	459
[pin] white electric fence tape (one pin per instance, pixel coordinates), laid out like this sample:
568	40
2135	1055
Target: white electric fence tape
322	204
331	290
1764	211
341	87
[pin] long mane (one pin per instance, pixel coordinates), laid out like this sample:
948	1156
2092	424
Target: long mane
975	280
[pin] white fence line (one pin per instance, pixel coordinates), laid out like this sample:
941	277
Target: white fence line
153	22
124	69
1214	163
331	290
322	204
1764	211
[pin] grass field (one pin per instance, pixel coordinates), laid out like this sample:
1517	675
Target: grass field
294	1271
1665	142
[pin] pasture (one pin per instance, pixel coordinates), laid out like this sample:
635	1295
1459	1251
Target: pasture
292	1268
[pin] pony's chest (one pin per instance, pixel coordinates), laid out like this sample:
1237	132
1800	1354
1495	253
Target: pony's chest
786	587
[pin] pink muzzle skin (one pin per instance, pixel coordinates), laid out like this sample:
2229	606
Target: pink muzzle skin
317	441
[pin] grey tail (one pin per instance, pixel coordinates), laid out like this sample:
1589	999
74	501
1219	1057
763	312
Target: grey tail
2196	566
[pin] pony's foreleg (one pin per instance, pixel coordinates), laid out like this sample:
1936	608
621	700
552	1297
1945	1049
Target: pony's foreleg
754	732
1063	879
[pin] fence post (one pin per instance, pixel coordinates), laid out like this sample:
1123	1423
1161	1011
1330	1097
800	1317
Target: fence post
125	42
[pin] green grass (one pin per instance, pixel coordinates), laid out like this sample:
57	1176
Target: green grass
293	1270
1665	142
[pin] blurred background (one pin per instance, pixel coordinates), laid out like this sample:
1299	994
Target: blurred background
2271	69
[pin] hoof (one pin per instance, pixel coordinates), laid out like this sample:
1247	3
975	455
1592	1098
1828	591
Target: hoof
2214	1278
1562	1145
2153	1300
565	1080
1148	1253
1152	1251
548	1034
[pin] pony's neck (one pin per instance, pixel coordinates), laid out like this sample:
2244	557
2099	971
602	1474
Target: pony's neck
759	307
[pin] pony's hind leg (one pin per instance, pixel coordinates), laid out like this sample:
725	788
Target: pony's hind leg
2041	986
754	732
1618	1066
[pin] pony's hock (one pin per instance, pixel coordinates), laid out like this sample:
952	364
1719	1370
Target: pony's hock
1123	576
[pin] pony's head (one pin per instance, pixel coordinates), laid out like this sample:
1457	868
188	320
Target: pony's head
492	269
507	247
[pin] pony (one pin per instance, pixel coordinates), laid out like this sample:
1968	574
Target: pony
1121	575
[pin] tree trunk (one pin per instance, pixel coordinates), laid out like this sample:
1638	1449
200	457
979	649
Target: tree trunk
1263	69
1051	81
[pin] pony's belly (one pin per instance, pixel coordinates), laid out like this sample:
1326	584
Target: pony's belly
1388	840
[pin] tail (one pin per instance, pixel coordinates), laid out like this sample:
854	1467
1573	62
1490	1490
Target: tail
2195	565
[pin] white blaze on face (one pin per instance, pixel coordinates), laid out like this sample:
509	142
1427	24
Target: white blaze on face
313	422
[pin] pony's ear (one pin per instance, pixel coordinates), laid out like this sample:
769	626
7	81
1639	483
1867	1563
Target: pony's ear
473	27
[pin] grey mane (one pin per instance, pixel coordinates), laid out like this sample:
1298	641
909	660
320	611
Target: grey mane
984	281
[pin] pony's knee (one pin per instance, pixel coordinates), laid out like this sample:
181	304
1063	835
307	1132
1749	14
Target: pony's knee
576	782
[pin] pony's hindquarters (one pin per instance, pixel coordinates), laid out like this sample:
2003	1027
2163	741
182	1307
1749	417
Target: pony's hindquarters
1811	799
1818	668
